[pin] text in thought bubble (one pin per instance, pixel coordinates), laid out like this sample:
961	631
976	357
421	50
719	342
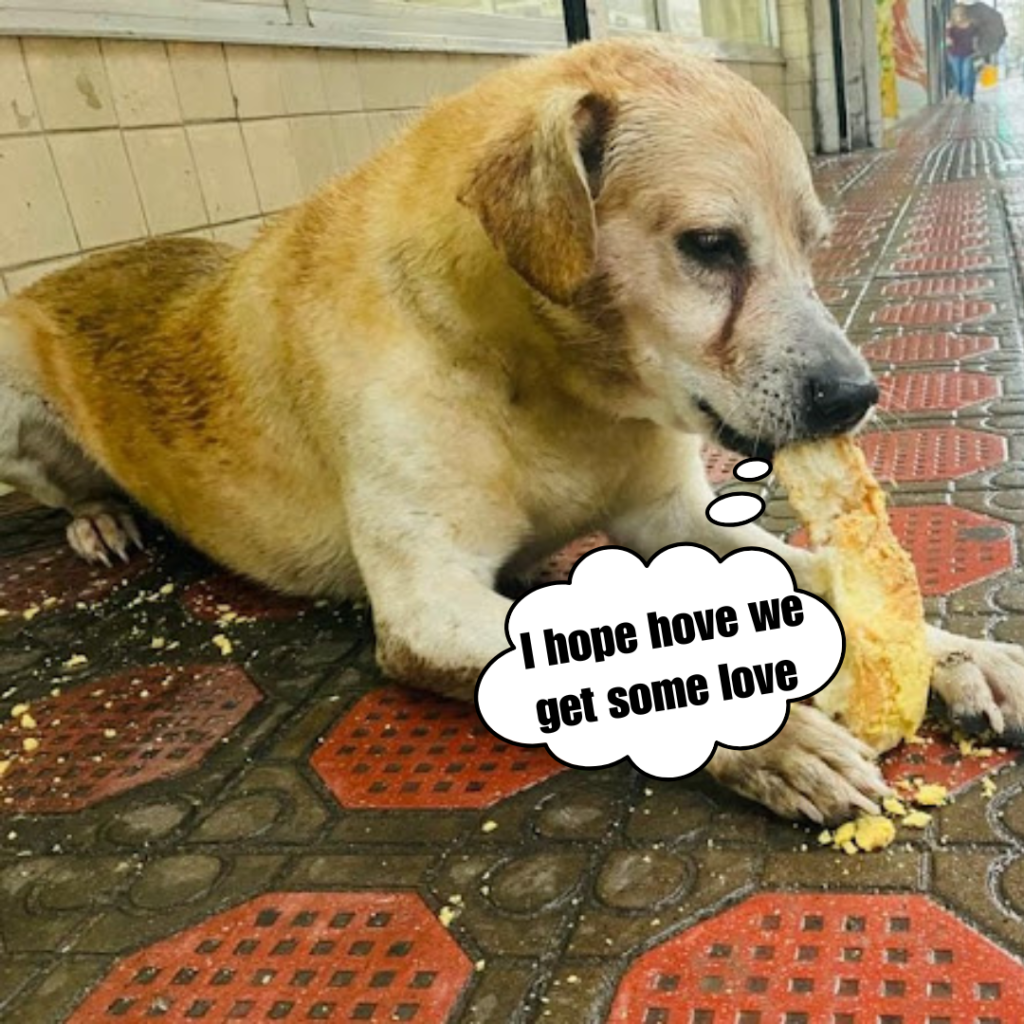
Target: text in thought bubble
659	663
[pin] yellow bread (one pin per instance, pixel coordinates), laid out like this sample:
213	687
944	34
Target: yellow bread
881	691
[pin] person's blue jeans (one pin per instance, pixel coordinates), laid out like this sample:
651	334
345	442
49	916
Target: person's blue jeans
964	75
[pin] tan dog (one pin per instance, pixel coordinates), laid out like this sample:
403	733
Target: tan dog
512	326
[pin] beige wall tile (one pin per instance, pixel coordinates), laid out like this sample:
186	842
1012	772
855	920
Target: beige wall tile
17	104
70	83
386	124
141	82
35	219
201	76
224	174
99	187
315	149
435	80
255	81
341	80
269	145
239	234
352	139
463	70
388	81
167	179
302	85
24	276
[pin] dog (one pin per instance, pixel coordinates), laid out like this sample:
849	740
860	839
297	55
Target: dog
515	324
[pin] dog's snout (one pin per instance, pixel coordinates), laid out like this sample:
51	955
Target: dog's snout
835	404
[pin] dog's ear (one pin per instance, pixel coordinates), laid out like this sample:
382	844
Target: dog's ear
534	191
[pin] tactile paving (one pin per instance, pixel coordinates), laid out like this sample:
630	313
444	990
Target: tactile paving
106	736
57	577
939	760
223	593
317	956
929	348
403	748
951	547
719	463
934	454
812	958
942	391
935	311
942	264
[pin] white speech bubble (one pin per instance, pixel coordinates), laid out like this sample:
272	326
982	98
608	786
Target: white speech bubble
671	699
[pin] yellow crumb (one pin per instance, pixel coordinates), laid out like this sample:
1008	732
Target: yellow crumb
488	826
30	613
917	819
894	806
446	915
825	838
223	644
18	710
850	847
988	788
845	833
931	795
158	643
75	661
30	744
874	832
479	965
109	733
4	766
27	721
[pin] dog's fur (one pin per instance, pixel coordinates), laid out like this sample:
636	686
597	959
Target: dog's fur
497	334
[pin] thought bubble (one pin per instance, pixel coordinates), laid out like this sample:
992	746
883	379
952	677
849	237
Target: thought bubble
659	663
740	507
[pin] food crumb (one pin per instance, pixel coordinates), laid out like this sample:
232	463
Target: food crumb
917	819
109	733
18	710
825	837
75	661
874	832
158	643
988	788
894	806
4	768
479	965
931	795
223	644
488	826
446	915
30	744
27	721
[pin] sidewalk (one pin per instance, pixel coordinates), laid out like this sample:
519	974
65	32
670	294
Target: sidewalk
227	819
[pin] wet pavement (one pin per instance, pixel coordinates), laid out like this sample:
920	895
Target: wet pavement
217	811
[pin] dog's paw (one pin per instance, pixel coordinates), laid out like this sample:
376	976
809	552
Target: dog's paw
812	769
99	534
981	682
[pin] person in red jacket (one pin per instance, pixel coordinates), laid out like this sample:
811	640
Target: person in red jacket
961	37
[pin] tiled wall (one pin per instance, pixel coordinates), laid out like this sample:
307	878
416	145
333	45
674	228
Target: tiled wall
105	142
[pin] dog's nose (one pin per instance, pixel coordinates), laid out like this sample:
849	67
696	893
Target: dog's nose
835	404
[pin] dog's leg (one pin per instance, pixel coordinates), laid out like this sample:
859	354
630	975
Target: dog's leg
981	682
813	768
38	457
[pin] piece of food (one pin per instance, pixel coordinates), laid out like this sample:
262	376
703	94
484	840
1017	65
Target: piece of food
931	795
874	832
881	690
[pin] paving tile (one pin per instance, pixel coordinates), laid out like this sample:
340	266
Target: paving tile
353	956
398	748
824	957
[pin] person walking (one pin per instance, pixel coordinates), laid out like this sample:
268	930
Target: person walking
961	37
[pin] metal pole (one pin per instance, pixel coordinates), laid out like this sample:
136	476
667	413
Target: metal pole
577	21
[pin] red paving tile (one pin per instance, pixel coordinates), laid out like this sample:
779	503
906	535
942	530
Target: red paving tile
401	748
320	956
719	463
942	264
826	959
221	593
942	346
57	577
951	547
928	286
935	312
941	391
937	453
940	761
106	736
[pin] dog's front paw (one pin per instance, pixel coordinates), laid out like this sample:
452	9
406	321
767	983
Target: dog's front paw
981	683
813	768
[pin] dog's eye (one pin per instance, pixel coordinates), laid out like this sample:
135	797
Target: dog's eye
714	249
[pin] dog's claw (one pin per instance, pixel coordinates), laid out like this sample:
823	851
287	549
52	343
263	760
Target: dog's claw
813	769
98	535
